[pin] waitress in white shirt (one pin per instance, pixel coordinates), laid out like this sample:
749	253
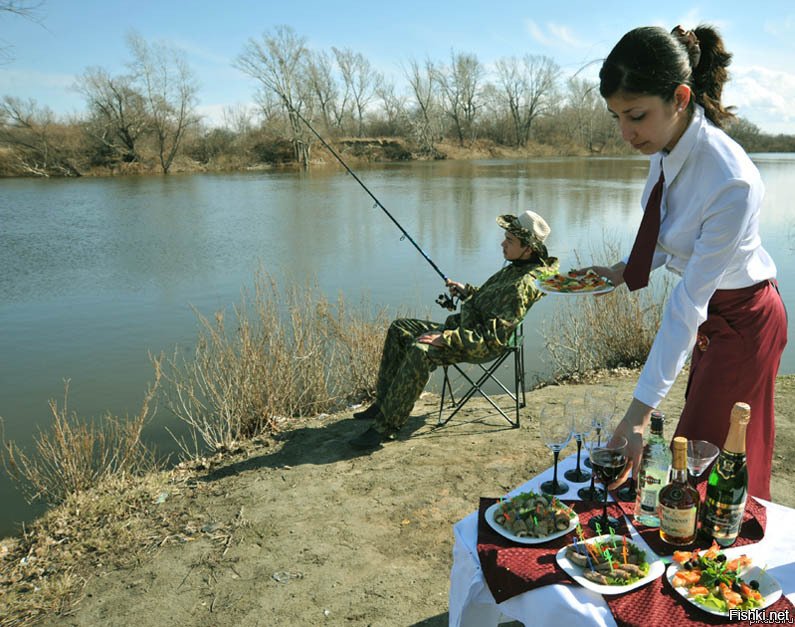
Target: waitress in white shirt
664	90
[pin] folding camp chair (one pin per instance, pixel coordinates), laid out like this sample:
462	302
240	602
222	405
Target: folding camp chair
514	348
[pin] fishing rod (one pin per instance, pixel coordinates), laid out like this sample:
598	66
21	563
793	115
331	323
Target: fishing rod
444	300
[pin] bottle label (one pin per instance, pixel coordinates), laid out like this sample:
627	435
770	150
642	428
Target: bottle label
679	523
723	520
648	498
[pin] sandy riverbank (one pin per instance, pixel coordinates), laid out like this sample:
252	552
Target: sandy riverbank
301	530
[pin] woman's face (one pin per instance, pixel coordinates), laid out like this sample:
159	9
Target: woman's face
512	248
648	123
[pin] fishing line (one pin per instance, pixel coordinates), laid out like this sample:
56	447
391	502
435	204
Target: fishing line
444	300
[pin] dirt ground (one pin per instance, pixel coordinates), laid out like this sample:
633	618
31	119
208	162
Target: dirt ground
304	531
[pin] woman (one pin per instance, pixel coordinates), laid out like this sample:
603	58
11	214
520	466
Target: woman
480	332
664	89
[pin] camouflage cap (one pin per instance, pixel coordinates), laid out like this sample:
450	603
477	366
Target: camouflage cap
529	227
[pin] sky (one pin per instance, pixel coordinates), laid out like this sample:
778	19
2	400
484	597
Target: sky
42	57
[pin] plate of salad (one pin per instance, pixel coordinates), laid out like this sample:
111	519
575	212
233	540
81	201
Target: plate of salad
718	581
574	282
609	564
531	518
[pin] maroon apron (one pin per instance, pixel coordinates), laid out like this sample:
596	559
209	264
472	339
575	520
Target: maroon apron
736	358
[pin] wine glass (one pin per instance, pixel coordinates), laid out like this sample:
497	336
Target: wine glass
602	413
581	425
608	462
555	425
597	437
700	454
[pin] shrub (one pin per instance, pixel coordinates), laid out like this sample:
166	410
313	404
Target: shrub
290	353
74	455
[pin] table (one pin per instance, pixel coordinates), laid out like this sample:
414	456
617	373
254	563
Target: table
472	604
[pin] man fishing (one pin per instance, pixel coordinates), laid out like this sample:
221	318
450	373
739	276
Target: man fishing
480	332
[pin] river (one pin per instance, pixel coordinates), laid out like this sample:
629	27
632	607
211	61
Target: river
98	272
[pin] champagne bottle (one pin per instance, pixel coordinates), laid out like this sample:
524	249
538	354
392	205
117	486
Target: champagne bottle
727	486
678	501
655	465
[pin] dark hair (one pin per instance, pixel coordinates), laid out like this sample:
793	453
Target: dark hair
651	61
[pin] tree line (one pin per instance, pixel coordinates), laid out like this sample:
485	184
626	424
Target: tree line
146	119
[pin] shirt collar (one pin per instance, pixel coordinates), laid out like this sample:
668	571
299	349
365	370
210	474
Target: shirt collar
673	161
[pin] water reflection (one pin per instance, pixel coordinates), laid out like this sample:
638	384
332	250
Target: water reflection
96	272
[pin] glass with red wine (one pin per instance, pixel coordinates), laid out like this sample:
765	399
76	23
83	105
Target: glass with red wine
607	463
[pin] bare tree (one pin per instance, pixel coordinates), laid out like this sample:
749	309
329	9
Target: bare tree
320	79
360	81
460	90
421	83
118	112
21	8
277	63
394	105
169	89
39	144
589	113
526	86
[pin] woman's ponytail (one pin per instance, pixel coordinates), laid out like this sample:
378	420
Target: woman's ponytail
710	74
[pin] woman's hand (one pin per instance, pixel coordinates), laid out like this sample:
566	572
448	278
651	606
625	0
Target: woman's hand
614	273
434	338
456	289
632	426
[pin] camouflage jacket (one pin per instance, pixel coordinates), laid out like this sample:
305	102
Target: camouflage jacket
490	313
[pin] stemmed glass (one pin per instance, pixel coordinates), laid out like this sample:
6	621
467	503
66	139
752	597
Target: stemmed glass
596	438
581	425
555	427
700	454
602	413
608	462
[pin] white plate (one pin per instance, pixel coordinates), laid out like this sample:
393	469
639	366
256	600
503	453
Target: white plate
504	532
656	568
547	290
768	587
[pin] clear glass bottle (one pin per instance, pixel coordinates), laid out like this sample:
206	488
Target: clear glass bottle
727	486
679	501
655	466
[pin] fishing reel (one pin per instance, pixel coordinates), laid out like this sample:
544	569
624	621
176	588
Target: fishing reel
447	301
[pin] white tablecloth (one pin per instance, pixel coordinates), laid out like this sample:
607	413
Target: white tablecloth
472	604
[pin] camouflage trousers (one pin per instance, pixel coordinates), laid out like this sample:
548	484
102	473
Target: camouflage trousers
406	366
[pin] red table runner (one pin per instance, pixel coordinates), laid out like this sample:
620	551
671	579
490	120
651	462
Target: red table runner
510	568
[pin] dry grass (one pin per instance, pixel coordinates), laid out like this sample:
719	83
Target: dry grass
74	455
604	332
289	353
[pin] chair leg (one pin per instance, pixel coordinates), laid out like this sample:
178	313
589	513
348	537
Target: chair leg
446	386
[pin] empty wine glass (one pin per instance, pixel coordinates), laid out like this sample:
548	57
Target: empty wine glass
581	425
555	425
608	462
700	454
602	413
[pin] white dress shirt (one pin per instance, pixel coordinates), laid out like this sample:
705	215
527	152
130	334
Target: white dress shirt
709	236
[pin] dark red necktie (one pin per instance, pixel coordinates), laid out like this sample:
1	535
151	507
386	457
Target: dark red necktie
636	273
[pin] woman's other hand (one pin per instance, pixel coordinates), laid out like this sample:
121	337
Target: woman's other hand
614	273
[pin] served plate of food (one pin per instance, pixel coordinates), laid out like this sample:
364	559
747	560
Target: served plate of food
718	581
531	518
574	282
609	564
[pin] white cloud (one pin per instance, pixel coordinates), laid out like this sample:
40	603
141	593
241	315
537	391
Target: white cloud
554	35
764	97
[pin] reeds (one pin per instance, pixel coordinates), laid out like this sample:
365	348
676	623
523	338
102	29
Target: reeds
74	454
288	353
